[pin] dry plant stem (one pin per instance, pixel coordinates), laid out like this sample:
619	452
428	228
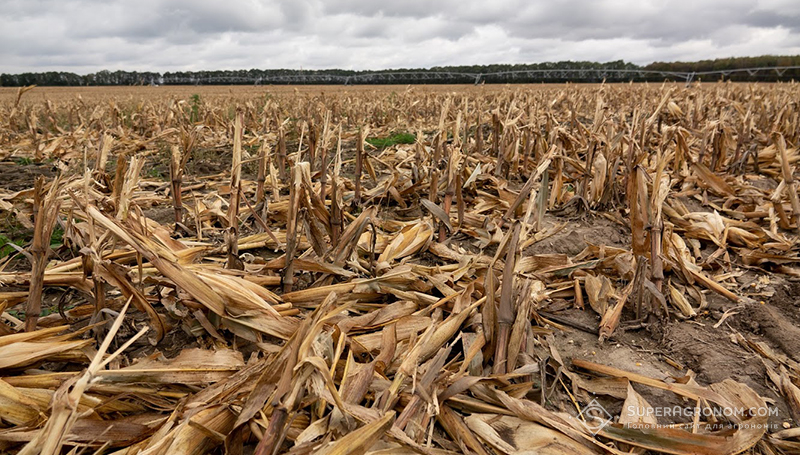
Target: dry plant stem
610	320
282	153
693	392
312	143
287	277
21	91
372	255
434	188
359	166
119	177
638	286
232	234
478	133
261	178
788	178
292	223
350	237
336	212
176	177
454	425
637	199
541	201
35	137
496	138
323	177
588	171
45	212
558	183
50	439
521	326
232	247
528	187
783	218
198	222
505	309
714	286
526	149
437	149
460	201
260	221
274	434
578	294
39	252
99	295
423	389
657	270
447	204
236	158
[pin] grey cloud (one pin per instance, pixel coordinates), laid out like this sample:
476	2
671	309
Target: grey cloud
162	35
369	8
771	19
668	21
176	19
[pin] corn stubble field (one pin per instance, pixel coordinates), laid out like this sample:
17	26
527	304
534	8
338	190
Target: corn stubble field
350	270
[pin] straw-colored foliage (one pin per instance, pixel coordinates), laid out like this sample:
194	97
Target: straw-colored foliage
250	274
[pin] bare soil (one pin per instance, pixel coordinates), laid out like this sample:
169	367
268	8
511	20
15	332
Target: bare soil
16	177
677	348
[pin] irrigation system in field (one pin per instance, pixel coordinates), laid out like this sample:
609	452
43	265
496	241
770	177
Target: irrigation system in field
534	75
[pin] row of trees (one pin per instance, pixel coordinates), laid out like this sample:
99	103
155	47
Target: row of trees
60	78
725	64
729	64
431	75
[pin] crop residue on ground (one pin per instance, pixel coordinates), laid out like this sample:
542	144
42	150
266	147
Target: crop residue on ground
448	269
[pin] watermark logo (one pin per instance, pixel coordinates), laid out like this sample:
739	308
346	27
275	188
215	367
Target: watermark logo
595	417
737	413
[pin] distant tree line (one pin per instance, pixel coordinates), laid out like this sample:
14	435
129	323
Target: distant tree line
726	64
61	78
438	74
722	64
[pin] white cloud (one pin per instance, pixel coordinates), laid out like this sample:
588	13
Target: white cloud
167	35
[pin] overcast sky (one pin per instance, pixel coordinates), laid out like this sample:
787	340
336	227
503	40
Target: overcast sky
85	36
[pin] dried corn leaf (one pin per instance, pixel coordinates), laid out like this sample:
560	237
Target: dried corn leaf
408	241
360	440
514	436
191	366
599	291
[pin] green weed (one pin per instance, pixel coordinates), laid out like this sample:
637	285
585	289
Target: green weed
194	115
21	238
5	249
393	139
57	237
